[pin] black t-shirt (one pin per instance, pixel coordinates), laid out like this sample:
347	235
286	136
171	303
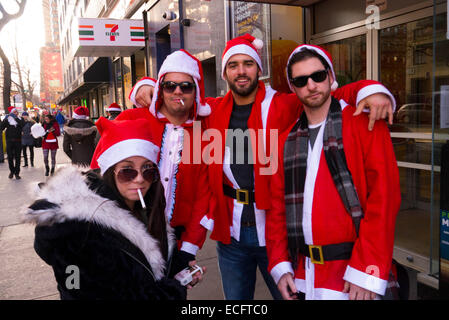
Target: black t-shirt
238	141
313	133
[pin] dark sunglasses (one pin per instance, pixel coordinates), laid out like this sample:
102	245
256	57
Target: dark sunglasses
301	81
128	174
170	86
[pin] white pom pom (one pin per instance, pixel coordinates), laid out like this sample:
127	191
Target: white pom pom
258	44
334	86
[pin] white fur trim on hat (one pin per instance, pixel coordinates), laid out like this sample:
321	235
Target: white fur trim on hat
240	49
114	109
79	117
125	149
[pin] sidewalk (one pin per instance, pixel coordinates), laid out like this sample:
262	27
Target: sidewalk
24	276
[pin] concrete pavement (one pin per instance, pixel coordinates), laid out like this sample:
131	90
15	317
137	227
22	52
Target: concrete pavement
24	276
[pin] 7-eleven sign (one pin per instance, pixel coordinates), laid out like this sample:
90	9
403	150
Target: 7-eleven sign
112	31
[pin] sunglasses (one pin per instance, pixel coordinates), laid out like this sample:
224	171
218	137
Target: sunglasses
128	174
185	86
301	81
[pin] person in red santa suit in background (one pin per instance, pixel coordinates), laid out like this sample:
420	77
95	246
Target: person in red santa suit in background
179	101
50	142
335	196
265	109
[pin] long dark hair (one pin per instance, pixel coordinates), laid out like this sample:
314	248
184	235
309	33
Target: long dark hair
155	203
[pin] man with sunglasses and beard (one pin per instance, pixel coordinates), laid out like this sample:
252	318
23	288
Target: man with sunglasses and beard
178	102
330	229
240	192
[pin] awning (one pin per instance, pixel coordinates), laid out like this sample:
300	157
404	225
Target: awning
96	75
299	3
107	37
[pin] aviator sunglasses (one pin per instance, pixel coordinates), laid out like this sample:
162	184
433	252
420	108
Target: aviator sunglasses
301	81
129	174
185	86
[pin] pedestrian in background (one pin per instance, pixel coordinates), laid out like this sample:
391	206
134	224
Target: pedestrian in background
79	138
113	111
27	139
50	142
61	120
13	125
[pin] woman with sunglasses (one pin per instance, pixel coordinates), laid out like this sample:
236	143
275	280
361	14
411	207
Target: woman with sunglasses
102	239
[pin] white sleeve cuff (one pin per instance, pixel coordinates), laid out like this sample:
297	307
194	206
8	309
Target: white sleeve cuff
207	223
372	89
144	82
365	280
189	247
280	269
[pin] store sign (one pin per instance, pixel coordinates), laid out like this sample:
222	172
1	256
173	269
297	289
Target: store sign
107	37
253	18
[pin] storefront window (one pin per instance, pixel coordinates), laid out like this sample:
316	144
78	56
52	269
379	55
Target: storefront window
118	82
286	35
127	82
349	58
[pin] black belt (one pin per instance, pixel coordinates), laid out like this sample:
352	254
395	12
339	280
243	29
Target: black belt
319	254
241	195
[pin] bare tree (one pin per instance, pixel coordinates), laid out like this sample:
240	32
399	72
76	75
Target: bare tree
4	19
24	84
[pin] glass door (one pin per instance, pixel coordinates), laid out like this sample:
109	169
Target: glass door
413	64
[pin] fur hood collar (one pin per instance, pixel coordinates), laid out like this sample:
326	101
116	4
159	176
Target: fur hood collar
81	131
68	197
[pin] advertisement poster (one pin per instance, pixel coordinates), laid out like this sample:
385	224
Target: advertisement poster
253	18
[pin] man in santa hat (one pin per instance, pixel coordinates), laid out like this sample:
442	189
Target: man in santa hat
178	102
336	243
79	139
113	111
13	125
240	191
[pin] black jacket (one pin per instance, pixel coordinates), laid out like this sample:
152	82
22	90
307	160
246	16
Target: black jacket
79	141
27	138
13	133
84	231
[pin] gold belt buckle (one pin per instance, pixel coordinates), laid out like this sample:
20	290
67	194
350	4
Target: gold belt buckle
246	196
312	257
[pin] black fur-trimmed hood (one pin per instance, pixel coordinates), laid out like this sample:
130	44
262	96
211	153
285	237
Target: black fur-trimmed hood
67	197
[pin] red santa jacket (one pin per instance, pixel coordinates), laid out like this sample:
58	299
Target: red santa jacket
186	192
51	139
272	113
372	163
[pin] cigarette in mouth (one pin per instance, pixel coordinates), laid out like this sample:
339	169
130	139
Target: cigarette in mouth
141	198
182	102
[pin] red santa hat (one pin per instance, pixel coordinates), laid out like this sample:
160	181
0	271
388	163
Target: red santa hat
81	113
121	140
114	107
11	109
320	51
246	44
183	62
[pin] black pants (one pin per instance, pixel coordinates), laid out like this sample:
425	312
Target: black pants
25	157
13	149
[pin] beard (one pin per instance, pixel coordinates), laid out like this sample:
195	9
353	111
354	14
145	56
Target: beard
244	92
315	102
